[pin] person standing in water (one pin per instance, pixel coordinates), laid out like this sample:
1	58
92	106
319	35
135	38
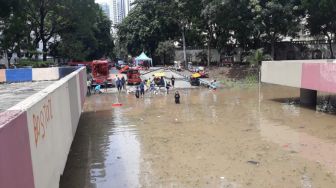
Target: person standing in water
142	89
89	86
177	97
167	87
119	84
173	81
123	83
137	92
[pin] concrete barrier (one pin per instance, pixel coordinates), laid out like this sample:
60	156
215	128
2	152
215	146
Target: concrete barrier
15	157
48	124
64	71
40	74
286	73
2	75
19	75
317	75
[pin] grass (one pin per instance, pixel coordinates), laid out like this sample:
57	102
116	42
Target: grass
251	80
33	64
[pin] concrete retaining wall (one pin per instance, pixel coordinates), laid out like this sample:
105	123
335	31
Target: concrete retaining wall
2	75
40	74
36	134
317	75
35	74
19	75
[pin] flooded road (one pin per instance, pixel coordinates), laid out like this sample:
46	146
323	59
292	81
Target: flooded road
228	138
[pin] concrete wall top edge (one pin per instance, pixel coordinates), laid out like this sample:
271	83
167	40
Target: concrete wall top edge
7	116
33	99
304	61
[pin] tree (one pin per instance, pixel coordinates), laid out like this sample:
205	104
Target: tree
322	19
275	19
166	50
45	20
149	23
257	56
86	32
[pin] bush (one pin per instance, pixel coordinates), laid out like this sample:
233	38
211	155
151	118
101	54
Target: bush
33	64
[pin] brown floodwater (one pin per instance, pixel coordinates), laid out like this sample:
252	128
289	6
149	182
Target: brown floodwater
240	137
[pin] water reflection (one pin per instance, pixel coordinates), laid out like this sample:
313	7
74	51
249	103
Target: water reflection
228	138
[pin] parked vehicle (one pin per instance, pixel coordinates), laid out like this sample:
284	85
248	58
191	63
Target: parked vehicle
124	69
133	77
100	72
201	71
195	81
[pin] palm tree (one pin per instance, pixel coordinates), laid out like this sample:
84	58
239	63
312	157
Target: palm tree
257	56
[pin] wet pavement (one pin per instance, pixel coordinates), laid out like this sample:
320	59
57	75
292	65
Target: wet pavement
237	137
11	94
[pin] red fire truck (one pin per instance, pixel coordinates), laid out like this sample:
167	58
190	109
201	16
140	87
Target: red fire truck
133	76
100	72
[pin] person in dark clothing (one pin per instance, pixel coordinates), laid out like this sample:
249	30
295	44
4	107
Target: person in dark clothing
119	84
173	80
89	85
177	97
137	92
162	82
142	89
167	87
123	83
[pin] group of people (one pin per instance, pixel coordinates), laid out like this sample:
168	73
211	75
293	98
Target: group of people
140	90
151	85
120	84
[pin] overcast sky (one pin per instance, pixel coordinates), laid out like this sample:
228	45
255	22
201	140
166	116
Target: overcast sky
104	1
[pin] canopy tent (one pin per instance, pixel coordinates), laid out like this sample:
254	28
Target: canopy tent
143	57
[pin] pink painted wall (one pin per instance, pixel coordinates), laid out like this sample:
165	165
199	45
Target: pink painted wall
15	157
319	76
2	75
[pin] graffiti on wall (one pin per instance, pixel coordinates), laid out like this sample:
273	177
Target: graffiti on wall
41	120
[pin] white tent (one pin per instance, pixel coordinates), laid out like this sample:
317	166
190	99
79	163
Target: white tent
143	57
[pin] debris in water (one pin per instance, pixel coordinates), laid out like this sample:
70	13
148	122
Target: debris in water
116	105
306	181
253	162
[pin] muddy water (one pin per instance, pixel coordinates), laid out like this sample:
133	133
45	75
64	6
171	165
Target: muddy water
228	138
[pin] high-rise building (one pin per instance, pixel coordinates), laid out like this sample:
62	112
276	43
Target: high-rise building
106	9
115	12
128	6
121	10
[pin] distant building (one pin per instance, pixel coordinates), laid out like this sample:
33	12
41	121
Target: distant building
106	9
128	6
115	12
121	10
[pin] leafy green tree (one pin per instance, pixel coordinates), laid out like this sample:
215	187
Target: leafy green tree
166	50
14	29
275	19
147	24
45	20
86	32
322	19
